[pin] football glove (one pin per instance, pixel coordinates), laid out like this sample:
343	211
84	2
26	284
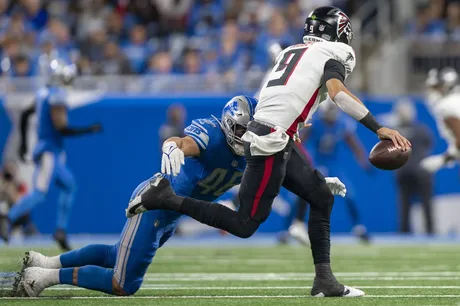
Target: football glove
173	158
336	186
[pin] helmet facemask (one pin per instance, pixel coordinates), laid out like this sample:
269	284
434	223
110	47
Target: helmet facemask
233	133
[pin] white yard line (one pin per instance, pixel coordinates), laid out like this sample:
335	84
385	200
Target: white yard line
384	276
179	287
228	297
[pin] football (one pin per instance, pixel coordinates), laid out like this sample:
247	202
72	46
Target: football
385	156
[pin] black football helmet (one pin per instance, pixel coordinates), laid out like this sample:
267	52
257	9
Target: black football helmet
329	23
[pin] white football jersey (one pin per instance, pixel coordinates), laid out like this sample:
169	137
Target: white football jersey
448	106
295	86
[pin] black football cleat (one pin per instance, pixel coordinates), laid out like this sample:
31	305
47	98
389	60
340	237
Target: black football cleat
328	288
152	196
60	237
360	231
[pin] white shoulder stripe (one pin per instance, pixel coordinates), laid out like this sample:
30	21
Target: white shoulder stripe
201	139
200	126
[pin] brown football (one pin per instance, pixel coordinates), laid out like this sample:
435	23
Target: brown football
384	155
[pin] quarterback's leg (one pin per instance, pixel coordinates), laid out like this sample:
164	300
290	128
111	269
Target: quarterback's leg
260	184
309	184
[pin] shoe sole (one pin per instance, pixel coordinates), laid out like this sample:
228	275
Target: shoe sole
321	295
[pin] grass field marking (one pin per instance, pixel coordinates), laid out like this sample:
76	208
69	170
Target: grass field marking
269	275
177	287
225	297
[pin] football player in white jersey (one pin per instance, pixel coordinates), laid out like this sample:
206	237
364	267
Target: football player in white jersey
444	102
303	74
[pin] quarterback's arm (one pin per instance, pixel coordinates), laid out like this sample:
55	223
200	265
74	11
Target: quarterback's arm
334	76
60	123
185	144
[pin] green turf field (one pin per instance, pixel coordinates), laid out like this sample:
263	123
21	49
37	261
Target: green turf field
269	276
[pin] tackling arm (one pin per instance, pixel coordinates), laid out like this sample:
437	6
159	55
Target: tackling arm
185	144
60	123
175	149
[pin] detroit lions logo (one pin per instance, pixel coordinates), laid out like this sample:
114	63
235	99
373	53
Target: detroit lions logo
232	108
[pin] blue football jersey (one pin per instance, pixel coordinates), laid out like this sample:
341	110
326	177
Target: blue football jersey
215	171
49	139
325	138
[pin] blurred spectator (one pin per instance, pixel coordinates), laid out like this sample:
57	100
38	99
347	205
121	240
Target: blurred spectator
143	11
58	34
160	63
230	60
18	26
206	16
21	66
296	20
453	20
250	26
4	19
10	50
427	23
136	50
413	180
113	61
35	13
84	66
115	27
174	126
173	13
192	63
93	46
277	32
92	18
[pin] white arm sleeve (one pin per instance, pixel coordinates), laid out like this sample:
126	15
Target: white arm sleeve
350	106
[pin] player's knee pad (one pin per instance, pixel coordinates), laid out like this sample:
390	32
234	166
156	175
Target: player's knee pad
247	228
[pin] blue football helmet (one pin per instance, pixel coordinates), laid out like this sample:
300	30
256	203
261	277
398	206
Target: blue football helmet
235	118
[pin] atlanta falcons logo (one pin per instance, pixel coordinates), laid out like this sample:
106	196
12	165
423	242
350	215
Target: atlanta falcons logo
344	26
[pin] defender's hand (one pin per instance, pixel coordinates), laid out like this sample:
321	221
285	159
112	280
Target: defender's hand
336	186
399	141
173	158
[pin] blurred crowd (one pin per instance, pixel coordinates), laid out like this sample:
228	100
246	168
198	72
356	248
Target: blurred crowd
106	37
437	20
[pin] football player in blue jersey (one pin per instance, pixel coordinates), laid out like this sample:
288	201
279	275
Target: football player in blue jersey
205	163
49	154
329	131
